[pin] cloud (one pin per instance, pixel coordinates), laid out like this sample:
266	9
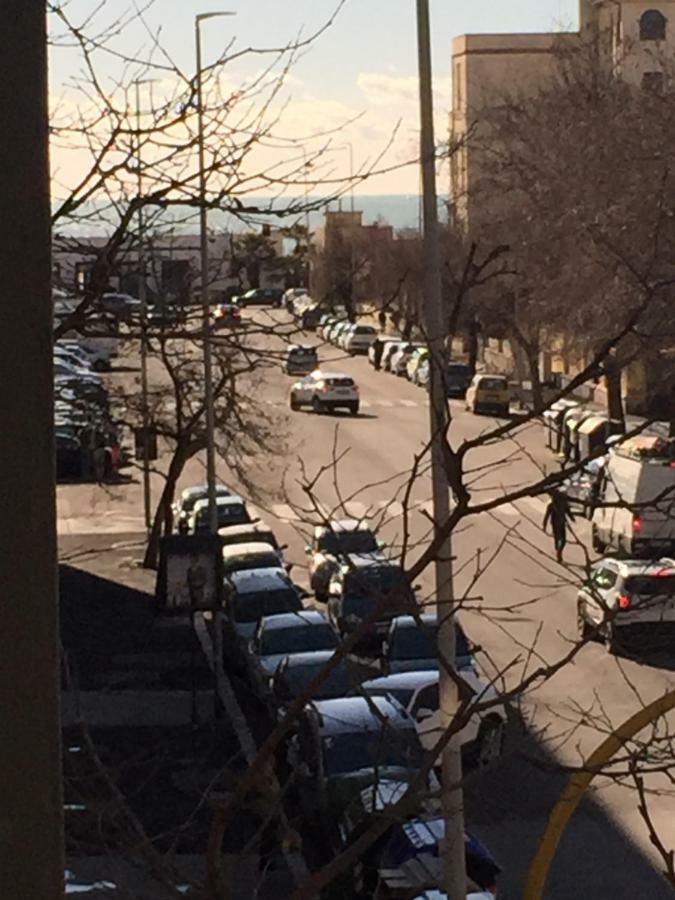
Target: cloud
386	89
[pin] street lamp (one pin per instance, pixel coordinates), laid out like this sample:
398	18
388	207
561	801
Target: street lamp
142	296
454	866
204	265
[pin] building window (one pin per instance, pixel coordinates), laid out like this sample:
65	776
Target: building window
653	26
653	81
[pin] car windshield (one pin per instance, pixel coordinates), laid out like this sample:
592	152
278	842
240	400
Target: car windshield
298	639
420	643
303	353
374	580
651	585
364	329
492	384
344	753
253	605
245	561
337	684
228	514
343	542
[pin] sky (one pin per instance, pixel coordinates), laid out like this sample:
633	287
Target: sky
363	67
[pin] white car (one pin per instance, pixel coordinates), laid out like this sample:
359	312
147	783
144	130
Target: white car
399	360
629	598
326	392
359	338
330	544
482	738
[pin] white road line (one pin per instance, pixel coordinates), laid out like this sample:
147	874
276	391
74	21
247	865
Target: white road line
285	512
408	403
365	404
356	510
388	404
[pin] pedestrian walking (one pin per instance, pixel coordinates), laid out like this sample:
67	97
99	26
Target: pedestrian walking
558	513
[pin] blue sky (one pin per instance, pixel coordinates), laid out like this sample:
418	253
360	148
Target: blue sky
364	64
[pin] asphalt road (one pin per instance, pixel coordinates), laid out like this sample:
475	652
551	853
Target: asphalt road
517	604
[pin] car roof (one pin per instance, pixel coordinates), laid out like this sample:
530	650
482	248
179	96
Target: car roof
248	549
319	374
430	620
222	500
310	658
342	525
304	619
346	715
370	560
251	580
638	566
246	528
197	489
292	348
480	375
402	680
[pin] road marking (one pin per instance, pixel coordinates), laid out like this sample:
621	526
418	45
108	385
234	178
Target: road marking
365	404
356	510
385	403
408	403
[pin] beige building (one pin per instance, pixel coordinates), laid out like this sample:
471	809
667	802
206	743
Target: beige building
634	37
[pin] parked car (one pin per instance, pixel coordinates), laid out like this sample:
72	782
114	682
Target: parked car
344	333
122	306
184	506
260	297
325	392
292	295
255	593
226	315
310	317
365	587
100	350
376	350
399	360
629	602
457	379
256	555
283	635
331	544
488	394
324	322
76	359
336	331
65	369
257	531
295	673
231	510
359	339
301	359
411	645
68	453
636	515
419	356
482	738
344	745
390	348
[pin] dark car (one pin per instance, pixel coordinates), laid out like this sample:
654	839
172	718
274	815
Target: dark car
286	634
226	315
252	594
68	453
184	506
261	297
295	673
457	379
257	531
411	645
343	746
301	359
365	587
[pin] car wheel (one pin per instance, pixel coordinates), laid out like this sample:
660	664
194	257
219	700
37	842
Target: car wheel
490	741
295	406
317	405
354	409
598	545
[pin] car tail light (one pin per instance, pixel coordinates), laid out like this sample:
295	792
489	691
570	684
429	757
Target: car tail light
637	524
624	601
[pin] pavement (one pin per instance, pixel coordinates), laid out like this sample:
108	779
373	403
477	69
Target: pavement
515	601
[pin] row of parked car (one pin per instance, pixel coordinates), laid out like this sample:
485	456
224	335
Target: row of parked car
363	737
86	435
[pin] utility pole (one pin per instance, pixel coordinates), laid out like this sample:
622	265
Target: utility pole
454	866
31	812
142	296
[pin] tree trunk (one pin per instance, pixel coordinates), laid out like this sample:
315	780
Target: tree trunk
537	392
614	399
474	330
163	518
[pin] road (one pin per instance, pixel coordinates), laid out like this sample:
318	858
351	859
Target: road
517	604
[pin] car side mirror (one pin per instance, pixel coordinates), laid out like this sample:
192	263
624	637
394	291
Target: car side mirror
424	714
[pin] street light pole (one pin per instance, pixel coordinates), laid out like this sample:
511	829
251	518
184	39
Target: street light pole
142	296
204	266
454	867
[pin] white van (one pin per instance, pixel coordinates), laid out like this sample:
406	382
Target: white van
637	496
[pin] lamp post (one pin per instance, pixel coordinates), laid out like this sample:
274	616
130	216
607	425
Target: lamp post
142	296
454	867
204	266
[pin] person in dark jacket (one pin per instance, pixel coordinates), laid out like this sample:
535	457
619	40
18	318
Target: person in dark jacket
558	513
